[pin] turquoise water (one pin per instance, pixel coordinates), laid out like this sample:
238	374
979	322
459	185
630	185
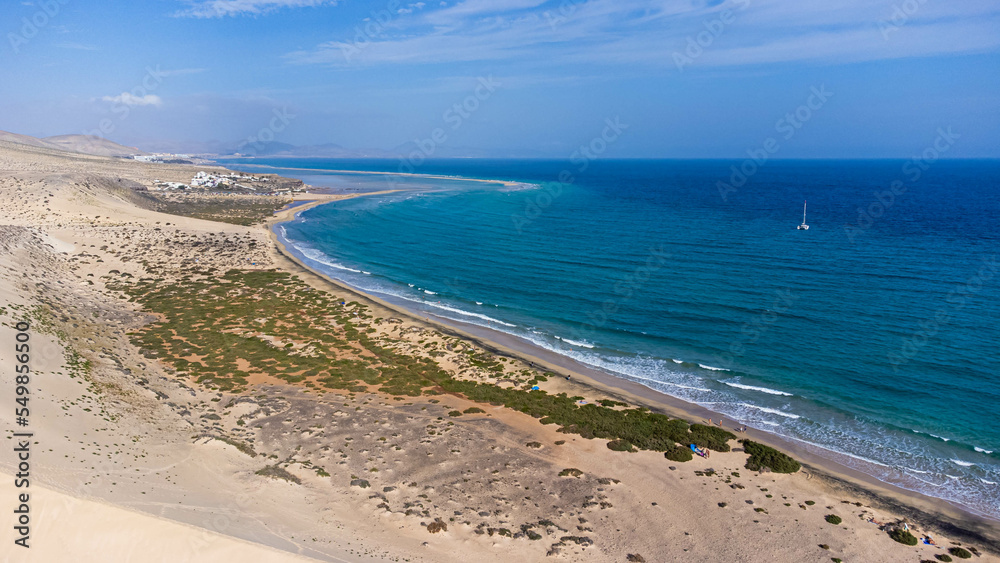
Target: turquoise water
875	345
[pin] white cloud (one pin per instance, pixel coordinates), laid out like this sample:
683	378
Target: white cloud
224	8
76	46
131	100
646	33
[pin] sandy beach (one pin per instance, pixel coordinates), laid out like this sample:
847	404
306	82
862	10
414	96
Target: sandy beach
150	445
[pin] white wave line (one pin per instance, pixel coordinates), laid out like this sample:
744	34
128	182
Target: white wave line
761	389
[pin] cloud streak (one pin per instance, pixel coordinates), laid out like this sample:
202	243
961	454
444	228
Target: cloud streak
131	100
231	8
76	46
644	34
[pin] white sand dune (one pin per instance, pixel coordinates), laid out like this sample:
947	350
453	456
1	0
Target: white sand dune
65	528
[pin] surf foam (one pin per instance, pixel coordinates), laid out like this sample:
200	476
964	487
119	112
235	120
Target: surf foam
761	389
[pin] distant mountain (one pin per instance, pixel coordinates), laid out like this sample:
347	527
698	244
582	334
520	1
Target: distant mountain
272	148
326	150
83	144
26	140
88	144
99	146
446	151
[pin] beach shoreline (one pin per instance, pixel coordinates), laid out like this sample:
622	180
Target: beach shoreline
381	173
920	507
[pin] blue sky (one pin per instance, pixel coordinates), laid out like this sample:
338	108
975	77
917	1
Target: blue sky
704	78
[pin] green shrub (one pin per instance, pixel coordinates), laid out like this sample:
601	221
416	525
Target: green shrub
620	446
243	447
711	437
610	403
943	558
473	410
765	456
275	472
833	519
570	472
455	413
960	552
678	453
903	536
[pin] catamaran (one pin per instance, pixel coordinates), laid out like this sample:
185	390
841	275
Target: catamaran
803	226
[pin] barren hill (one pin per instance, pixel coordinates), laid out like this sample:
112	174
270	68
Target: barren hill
84	144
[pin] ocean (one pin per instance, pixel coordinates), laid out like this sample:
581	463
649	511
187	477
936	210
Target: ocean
871	338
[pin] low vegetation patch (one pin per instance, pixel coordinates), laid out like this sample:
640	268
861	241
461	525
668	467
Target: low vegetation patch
762	456
276	472
678	453
243	447
222	330
960	552
903	536
243	209
834	519
620	446
570	472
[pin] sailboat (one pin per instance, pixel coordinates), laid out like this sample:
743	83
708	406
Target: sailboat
803	226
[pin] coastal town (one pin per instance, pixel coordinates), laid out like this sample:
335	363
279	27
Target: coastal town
234	181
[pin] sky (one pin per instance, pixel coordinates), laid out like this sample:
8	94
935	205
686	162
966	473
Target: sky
531	78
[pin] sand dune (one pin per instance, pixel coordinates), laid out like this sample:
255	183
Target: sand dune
72	529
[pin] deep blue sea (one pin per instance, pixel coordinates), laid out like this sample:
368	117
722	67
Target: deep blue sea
872	337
